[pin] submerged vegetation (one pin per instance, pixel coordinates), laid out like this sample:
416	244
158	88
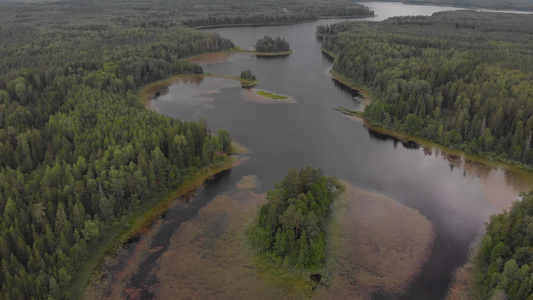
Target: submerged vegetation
458	78
505	262
289	232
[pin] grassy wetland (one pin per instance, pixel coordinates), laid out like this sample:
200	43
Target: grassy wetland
209	256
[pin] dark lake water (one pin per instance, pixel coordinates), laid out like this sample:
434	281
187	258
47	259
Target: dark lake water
456	195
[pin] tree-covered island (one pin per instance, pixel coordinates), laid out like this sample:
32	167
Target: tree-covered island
248	79
289	234
268	46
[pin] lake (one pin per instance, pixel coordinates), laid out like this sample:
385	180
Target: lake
456	193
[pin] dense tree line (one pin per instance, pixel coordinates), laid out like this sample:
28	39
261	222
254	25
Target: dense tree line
505	261
269	45
290	227
459	78
491	4
274	12
77	149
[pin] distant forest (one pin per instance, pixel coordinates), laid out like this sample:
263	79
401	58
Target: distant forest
459	78
272	12
77	149
490	4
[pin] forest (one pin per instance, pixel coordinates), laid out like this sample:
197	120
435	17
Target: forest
462	78
77	149
505	260
269	45
78	152
272	12
290	226
490	4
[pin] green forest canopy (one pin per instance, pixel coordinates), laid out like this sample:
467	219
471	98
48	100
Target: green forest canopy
505	262
492	4
77	150
290	227
267	44
459	78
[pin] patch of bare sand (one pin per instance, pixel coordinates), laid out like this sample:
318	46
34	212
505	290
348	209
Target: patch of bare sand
376	245
381	246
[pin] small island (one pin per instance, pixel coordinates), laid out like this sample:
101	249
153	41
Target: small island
267	46
263	96
289	233
248	79
271	95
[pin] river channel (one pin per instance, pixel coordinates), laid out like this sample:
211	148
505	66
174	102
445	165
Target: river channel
456	193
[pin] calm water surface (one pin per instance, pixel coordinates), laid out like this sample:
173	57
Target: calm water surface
456	195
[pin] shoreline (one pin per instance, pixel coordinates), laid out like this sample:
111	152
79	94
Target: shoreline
148	92
404	137
463	285
365	227
272	54
324	50
138	222
365	94
442	4
239	49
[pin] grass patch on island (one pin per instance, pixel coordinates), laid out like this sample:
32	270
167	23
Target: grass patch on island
272	95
